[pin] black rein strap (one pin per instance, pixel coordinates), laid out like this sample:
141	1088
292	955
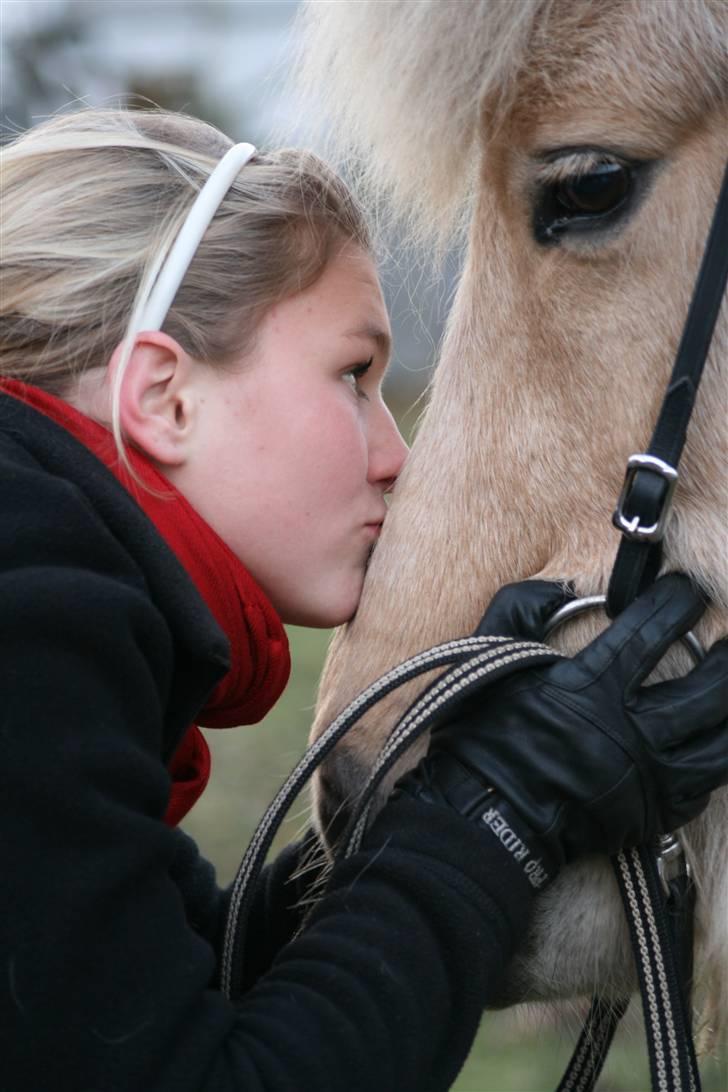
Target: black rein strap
644	504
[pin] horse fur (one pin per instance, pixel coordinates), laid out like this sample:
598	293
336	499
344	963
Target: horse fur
407	112
553	364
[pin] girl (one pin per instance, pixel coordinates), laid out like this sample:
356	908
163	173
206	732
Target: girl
193	450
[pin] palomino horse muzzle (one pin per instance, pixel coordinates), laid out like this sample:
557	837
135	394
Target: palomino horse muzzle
654	881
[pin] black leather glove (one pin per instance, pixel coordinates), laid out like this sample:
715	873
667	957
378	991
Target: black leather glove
578	757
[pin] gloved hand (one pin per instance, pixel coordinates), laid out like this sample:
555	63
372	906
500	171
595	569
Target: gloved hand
578	757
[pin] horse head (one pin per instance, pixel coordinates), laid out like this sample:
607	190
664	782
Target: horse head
578	148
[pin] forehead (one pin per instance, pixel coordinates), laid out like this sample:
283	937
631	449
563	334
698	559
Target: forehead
343	311
347	297
352	275
357	275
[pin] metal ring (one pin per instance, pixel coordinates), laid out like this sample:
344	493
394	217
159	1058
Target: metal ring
595	602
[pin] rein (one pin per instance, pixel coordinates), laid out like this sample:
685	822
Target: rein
658	897
476	660
654	883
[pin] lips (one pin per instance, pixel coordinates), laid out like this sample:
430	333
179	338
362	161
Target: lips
377	521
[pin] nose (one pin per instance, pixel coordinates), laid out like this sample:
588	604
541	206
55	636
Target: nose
387	449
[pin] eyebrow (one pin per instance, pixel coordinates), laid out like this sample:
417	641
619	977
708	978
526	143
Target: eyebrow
376	334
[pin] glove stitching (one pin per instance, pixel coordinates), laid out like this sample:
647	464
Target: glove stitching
675	631
594	720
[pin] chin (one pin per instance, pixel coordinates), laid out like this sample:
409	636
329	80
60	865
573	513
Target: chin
327	612
322	618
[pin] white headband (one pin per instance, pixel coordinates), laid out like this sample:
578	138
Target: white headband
183	249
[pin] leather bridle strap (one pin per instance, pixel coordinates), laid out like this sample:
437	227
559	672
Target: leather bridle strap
658	909
644	503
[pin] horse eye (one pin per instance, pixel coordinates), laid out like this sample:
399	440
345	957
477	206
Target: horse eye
583	202
599	190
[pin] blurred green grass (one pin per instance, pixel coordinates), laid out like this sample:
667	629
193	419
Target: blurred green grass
515	1051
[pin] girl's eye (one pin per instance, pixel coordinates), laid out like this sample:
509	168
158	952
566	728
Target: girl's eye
355	374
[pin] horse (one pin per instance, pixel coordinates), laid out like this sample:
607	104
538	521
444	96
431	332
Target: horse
573	149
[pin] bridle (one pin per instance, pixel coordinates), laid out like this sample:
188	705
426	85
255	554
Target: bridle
654	882
644	503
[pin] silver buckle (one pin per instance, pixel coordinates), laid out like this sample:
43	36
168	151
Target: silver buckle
632	528
671	860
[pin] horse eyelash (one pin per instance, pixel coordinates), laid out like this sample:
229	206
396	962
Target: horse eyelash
571	164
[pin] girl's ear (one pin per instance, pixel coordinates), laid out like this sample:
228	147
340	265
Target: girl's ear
156	403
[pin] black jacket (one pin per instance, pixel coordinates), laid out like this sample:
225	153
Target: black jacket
109	920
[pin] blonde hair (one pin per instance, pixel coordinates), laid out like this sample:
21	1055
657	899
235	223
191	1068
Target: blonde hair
92	201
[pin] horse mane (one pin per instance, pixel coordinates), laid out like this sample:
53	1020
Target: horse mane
406	88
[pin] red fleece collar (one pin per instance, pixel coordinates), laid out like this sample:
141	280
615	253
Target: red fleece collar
258	644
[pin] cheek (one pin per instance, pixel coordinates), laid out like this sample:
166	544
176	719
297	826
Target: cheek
330	455
303	469
346	443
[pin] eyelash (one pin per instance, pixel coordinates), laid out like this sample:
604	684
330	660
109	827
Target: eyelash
358	372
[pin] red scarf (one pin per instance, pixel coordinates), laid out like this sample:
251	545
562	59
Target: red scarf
258	643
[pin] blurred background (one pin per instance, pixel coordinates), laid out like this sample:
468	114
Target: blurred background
226	61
